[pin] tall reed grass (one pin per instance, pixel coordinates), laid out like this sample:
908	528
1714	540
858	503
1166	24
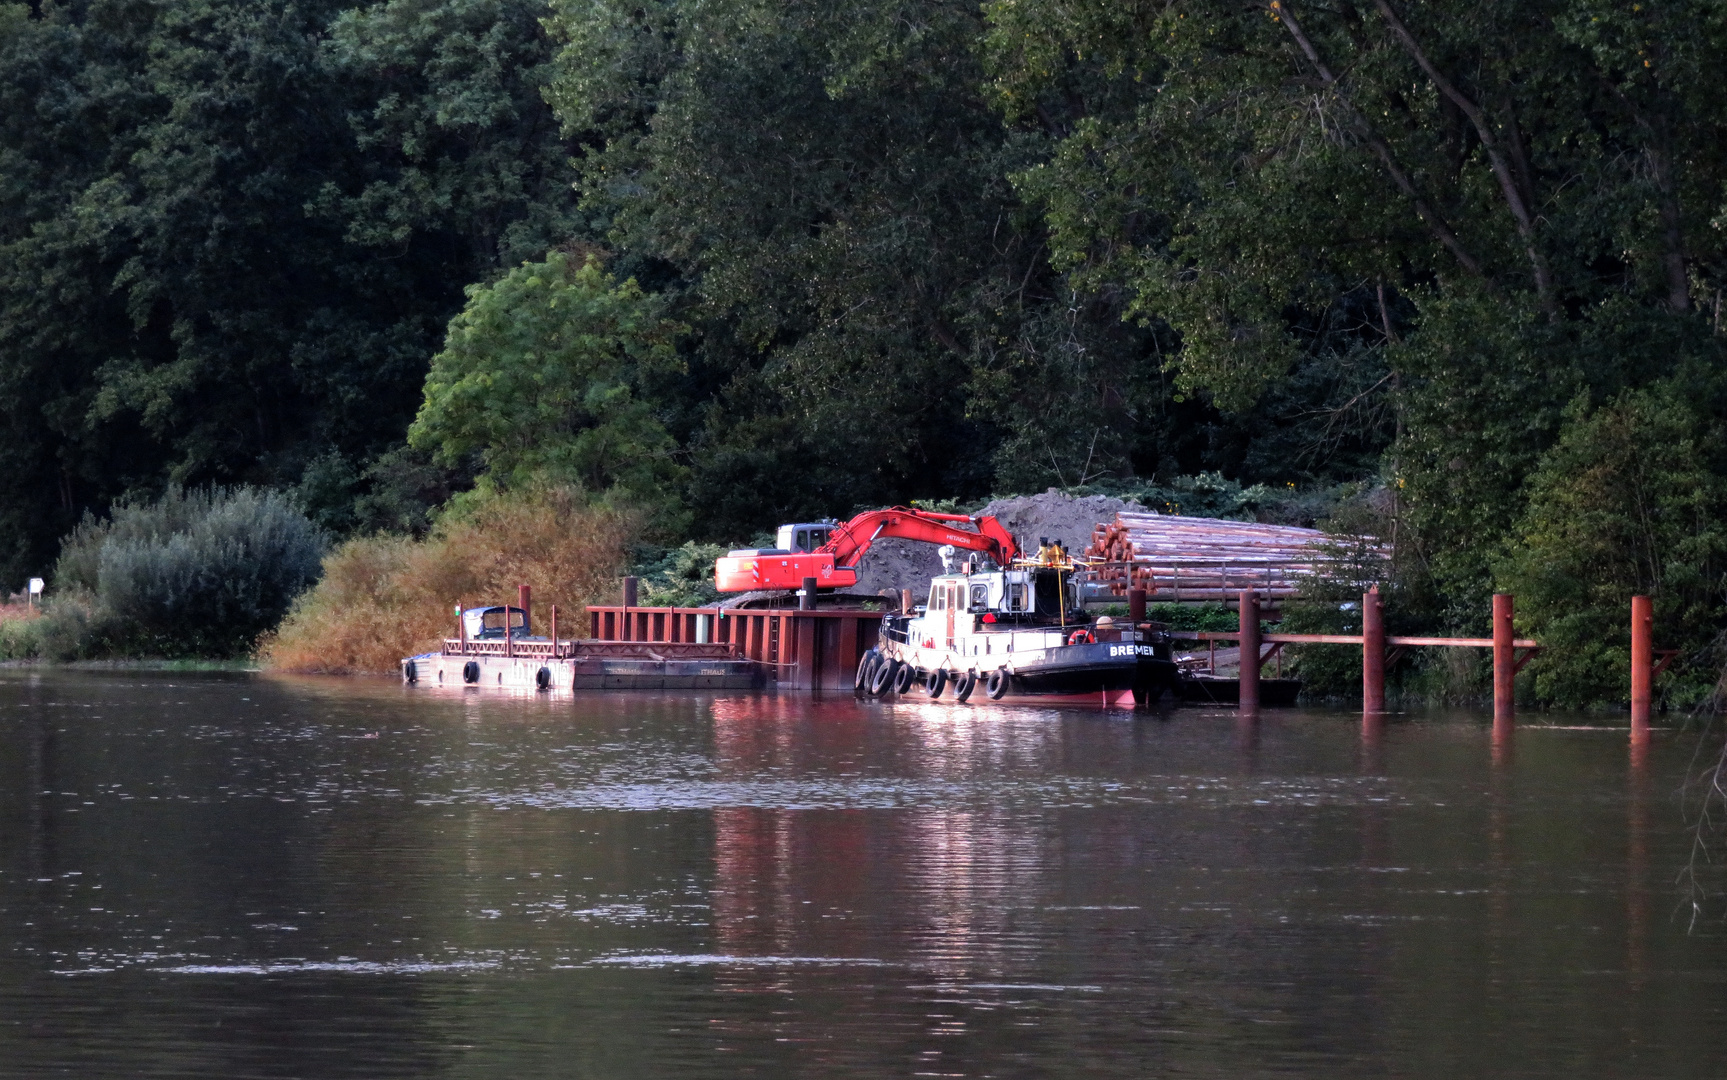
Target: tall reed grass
384	597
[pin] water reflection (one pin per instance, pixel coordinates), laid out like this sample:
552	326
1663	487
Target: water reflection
240	876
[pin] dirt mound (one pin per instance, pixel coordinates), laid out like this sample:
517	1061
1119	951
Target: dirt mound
1057	516
907	564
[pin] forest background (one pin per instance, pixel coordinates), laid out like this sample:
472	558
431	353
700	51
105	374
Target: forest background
1448	272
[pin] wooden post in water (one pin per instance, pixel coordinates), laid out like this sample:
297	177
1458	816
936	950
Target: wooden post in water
1642	666
1504	665
1135	607
629	602
525	600
556	654
1372	652
1248	680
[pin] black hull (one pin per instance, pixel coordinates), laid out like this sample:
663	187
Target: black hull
1079	670
1214	690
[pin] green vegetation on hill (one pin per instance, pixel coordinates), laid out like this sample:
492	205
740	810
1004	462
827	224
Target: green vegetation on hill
1451	272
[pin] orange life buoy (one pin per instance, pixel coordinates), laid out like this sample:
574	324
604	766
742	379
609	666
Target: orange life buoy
1082	636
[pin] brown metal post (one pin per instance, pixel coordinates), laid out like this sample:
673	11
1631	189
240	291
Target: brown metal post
1135	606
905	601
461	628
1642	665
1372	652
1249	677
525	601
807	597
556	655
625	631
808	660
1504	700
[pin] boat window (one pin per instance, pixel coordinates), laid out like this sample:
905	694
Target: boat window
980	596
1016	595
936	596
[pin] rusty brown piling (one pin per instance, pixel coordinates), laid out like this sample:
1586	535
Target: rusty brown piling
525	601
1372	652
1642	666
1504	662
807	595
1249	677
1135	606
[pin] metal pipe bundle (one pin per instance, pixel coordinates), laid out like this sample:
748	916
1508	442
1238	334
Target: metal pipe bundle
1189	558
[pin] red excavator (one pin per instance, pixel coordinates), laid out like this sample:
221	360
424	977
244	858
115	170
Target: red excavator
830	552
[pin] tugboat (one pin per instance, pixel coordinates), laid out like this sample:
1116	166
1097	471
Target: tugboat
1021	635
1013	625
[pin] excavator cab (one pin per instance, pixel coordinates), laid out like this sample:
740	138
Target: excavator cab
802	539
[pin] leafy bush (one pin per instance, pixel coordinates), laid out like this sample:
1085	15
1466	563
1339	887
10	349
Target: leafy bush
194	573
542	375
385	597
680	576
1630	501
1214	617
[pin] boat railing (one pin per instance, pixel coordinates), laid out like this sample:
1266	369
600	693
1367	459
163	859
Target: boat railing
589	648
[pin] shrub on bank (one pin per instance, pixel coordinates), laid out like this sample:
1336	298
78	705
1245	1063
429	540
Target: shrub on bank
385	597
193	573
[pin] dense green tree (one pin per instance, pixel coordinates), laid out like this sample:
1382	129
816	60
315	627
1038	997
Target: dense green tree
542	377
231	234
1630	500
1518	196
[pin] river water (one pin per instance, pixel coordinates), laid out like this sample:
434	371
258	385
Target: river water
247	876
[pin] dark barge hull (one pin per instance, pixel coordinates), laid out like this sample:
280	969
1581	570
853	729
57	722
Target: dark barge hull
1217	690
1086	671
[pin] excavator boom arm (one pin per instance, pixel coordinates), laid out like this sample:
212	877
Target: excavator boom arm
850	540
834	564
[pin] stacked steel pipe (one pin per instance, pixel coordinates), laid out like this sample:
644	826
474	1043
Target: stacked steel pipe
1189	558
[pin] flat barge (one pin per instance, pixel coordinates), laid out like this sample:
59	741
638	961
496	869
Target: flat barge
496	650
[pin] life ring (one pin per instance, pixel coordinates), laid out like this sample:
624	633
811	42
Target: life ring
995	687
934	683
866	666
471	671
963	685
903	678
881	679
1082	636
543	678
410	671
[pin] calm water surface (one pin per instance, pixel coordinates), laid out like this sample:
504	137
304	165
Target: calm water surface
237	876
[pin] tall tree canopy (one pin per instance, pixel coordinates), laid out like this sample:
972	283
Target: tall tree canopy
1513	203
231	233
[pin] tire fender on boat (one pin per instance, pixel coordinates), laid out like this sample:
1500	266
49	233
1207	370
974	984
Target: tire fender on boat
543	678
881	679
410	671
995	688
934	683
866	668
964	685
903	678
471	671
